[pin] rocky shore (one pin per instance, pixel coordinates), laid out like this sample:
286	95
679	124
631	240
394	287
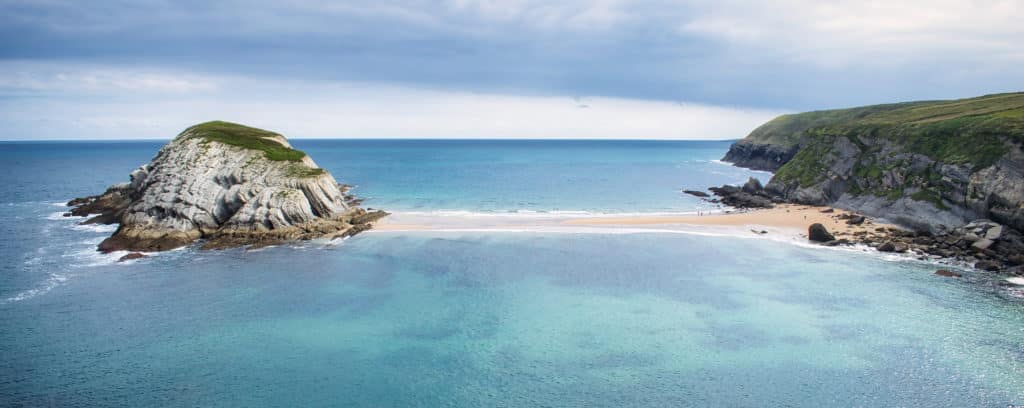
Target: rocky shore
982	243
226	185
949	173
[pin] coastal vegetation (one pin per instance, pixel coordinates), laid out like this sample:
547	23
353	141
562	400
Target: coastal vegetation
246	137
960	158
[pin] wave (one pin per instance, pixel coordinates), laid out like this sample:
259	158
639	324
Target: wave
52	281
725	163
95	228
59	216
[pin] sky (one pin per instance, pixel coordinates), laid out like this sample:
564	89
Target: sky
644	69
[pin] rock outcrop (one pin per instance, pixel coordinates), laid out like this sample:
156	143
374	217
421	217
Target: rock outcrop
750	195
818	233
229	185
759	156
926	165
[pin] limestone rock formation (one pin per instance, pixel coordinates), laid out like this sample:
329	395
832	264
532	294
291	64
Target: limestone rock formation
230	185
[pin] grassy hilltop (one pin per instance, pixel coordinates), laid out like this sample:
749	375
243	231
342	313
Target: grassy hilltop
246	137
961	157
973	130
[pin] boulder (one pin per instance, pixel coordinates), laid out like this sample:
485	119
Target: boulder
855	220
818	233
888	246
994	232
982	244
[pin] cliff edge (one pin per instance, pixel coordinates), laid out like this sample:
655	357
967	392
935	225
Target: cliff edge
229	185
929	165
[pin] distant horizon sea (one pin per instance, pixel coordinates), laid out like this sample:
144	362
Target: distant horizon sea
479	317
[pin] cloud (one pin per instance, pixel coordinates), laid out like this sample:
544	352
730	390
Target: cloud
21	78
302	108
561	15
779	54
840	33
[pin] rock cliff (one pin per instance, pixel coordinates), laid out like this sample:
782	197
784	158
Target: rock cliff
229	185
931	165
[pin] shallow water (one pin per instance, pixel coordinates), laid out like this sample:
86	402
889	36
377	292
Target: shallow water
495	318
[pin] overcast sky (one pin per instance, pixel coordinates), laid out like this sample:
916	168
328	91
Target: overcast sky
664	69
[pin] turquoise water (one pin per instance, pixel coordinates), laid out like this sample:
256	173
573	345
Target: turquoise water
493	318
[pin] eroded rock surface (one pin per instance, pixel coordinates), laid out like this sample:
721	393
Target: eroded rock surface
230	185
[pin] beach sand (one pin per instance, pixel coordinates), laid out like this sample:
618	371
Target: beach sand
786	216
789	219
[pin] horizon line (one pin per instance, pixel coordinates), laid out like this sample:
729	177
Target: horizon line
392	139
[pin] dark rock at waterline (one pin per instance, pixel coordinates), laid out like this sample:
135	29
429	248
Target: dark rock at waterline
855	220
1015	259
133	255
988	265
696	193
818	233
947	273
758	155
736	197
109	204
892	246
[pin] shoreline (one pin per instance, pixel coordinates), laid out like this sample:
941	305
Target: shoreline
787	223
789	219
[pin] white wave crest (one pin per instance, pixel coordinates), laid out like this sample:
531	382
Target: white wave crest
52	281
95	228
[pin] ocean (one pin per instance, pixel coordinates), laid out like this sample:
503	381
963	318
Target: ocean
478	317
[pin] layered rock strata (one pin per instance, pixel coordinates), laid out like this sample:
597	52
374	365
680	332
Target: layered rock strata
228	185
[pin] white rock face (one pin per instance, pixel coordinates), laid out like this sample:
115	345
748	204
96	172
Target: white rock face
199	188
197	184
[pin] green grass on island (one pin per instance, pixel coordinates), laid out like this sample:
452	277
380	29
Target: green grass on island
250	138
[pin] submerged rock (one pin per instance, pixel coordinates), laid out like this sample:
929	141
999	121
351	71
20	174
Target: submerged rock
133	255
947	273
228	184
696	193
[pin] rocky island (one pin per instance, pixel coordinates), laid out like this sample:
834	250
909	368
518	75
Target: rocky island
950	172
228	185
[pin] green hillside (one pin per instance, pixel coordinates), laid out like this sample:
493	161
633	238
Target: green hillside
972	130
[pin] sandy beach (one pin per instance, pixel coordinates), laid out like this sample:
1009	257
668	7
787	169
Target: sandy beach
788	219
787	216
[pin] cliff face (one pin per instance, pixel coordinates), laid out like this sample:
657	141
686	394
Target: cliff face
228	184
929	165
